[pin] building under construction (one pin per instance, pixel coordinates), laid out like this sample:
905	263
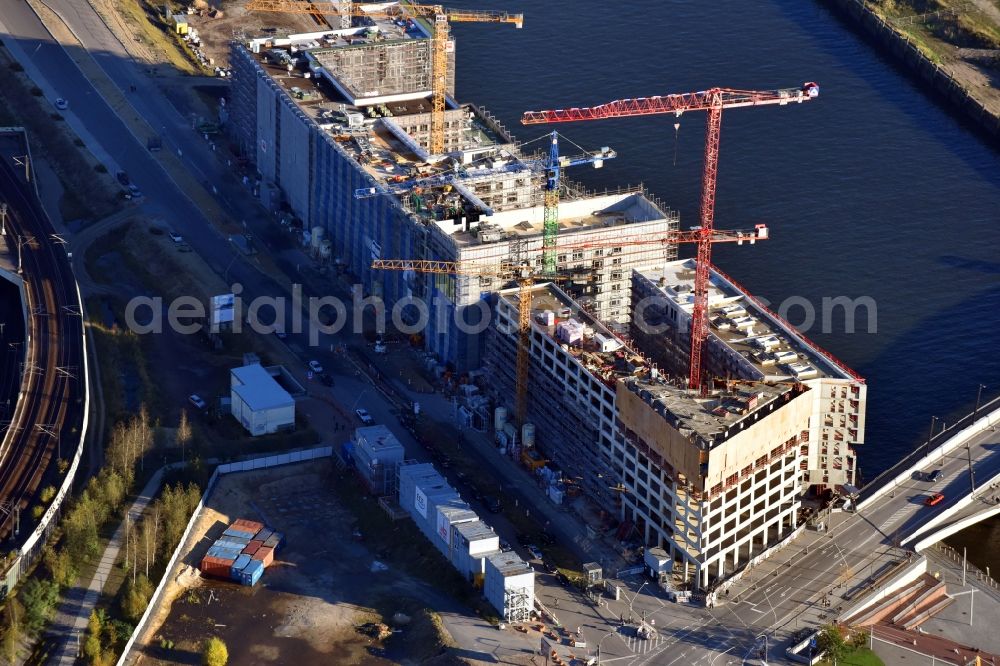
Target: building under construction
713	477
338	124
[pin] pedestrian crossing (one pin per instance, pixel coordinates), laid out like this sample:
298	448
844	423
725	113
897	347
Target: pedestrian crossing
641	646
897	516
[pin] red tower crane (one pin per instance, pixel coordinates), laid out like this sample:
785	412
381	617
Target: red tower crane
713	100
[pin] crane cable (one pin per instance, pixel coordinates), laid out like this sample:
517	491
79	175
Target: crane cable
677	128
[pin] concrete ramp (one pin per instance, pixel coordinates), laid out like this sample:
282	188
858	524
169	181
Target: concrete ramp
916	620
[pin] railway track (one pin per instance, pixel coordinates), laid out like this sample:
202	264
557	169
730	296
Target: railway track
50	412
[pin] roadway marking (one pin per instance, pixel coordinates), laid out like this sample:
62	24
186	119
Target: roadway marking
898	515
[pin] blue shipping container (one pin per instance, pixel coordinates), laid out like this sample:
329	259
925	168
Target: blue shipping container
230	544
239	538
238	533
223	553
251	573
276	541
264	534
238	566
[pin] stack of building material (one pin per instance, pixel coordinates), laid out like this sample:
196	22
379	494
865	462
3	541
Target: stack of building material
570	331
242	553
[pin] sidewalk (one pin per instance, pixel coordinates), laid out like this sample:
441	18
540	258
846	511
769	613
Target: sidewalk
70	622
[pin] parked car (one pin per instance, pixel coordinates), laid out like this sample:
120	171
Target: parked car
134	192
551	568
315	366
504	545
936	498
62	104
533	551
196	400
934	475
123	178
175	237
365	417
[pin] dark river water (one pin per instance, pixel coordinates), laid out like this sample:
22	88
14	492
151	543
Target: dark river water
872	191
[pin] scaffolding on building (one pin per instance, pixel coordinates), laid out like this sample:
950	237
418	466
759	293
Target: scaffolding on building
516	605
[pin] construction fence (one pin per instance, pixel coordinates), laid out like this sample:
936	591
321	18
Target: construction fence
260	462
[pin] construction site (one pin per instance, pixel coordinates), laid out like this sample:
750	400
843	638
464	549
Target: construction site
356	134
701	433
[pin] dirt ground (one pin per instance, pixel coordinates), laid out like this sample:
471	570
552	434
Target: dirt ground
216	33
308	603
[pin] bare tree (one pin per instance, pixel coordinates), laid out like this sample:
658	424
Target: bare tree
183	435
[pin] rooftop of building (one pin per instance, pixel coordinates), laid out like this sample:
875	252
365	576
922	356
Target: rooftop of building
627	206
460	512
475	530
555	314
710	418
378	440
258	389
483	191
775	349
509	563
609	359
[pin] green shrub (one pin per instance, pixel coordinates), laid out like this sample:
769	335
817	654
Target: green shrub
215	653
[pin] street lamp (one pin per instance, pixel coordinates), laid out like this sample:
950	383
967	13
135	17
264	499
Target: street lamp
930	436
610	633
360	395
634	597
979	395
712	663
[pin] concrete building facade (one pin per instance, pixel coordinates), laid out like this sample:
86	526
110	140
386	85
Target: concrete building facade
714	480
258	402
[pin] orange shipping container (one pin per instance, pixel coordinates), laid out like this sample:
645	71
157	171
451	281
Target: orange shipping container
248	525
216	566
265	555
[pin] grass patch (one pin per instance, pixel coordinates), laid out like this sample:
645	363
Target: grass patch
122	356
940	26
857	657
150	28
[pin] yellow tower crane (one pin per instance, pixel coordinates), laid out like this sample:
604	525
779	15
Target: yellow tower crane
440	18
